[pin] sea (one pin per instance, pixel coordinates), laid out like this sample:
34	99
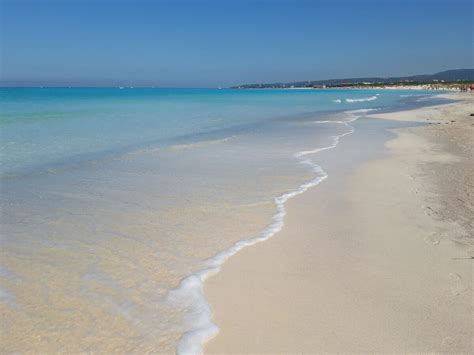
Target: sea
117	203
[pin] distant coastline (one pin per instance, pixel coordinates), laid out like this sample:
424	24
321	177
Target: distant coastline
457	79
450	86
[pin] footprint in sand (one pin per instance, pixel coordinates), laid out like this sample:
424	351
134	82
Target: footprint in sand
429	211
457	286
447	341
432	239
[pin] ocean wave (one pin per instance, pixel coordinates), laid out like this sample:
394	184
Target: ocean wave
353	115
363	99
327	121
337	101
362	110
189	294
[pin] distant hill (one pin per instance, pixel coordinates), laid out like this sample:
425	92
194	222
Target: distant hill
454	75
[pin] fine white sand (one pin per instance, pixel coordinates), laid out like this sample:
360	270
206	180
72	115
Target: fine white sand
375	260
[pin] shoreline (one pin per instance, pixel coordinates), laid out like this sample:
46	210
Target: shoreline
297	292
162	211
429	86
192	341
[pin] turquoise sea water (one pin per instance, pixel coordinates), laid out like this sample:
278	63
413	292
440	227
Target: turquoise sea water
116	204
54	125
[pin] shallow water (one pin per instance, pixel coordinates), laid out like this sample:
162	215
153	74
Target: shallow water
116	204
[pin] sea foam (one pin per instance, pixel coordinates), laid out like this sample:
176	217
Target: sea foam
372	98
189	294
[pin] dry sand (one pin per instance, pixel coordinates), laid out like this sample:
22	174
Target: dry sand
378	260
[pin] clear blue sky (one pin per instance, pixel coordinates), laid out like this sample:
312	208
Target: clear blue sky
206	43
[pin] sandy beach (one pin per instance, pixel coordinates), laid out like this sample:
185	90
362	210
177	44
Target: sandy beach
236	177
378	258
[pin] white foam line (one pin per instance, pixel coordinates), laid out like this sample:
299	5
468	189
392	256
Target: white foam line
362	110
189	294
328	121
363	99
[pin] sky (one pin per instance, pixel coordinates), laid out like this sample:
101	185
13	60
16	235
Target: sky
210	43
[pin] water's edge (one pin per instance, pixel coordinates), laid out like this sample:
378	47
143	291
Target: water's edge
128	231
201	326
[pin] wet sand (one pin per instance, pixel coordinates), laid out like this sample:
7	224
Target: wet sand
378	258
